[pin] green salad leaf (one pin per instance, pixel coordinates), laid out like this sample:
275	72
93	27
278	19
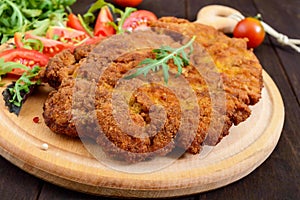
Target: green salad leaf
37	15
16	93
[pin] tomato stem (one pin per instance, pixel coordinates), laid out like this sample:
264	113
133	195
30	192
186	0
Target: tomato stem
258	17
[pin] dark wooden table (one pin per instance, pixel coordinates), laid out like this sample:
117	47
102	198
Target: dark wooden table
279	176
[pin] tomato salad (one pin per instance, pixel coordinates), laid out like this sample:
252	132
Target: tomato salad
33	50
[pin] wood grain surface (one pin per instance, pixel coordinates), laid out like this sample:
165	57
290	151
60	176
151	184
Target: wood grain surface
278	176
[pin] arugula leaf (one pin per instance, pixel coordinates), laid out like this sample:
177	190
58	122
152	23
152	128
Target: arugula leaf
22	85
16	93
31	12
162	56
89	17
85	26
97	5
124	16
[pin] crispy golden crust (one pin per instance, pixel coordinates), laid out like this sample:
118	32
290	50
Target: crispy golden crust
239	70
57	110
64	65
142	137
169	131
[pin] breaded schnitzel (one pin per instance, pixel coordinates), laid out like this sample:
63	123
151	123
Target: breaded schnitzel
240	76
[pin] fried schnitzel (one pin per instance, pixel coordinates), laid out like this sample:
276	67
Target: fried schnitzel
136	134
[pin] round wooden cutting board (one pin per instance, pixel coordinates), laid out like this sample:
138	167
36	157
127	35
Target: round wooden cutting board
67	163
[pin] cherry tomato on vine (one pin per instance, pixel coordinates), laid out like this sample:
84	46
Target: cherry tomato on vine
252	29
128	3
138	19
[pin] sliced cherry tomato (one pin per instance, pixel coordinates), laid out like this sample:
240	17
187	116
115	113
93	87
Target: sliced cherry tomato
30	58
252	29
51	47
128	3
73	22
138	19
66	35
102	26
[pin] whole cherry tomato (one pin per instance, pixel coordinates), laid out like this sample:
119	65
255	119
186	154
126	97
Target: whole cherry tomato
128	3
252	29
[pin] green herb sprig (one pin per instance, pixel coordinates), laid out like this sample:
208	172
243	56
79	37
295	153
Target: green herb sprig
124	16
162	56
22	86
16	93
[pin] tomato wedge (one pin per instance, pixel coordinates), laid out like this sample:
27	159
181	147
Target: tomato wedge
138	20
102	26
66	35
51	47
73	22
30	58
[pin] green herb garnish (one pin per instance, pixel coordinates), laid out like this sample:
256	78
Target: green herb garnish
85	26
162	56
124	16
16	93
22	85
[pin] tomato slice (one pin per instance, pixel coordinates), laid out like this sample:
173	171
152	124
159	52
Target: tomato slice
102	26
73	22
66	35
30	58
51	47
138	19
